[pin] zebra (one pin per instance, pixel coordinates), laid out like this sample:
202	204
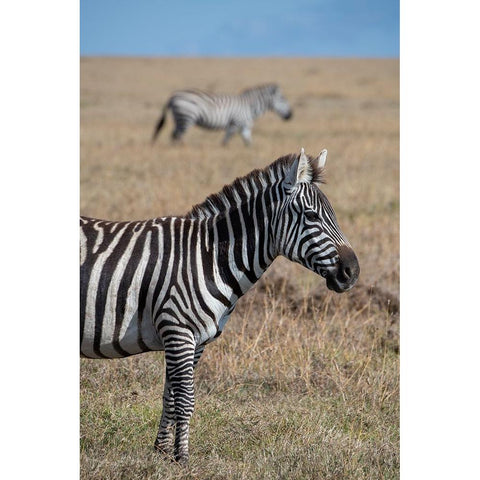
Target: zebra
171	283
232	113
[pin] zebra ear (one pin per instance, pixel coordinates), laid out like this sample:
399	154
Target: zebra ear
321	160
318	168
300	171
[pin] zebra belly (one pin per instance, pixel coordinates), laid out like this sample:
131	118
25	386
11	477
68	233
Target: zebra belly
223	320
211	125
132	338
218	119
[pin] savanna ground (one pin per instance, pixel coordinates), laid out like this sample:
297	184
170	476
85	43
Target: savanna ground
303	383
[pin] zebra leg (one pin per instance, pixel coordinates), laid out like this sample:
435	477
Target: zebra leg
166	429
231	129
181	126
246	134
179	356
177	134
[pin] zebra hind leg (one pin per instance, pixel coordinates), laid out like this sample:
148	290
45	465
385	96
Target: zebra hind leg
177	135
181	126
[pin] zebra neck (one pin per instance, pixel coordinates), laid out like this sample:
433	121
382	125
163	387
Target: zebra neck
258	104
243	236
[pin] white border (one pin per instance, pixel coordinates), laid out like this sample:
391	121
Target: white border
439	216
40	161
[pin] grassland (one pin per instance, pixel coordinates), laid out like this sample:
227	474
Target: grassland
304	383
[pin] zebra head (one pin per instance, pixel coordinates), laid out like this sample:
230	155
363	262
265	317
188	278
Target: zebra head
307	229
279	103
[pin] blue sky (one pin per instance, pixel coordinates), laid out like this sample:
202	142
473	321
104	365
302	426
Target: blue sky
345	28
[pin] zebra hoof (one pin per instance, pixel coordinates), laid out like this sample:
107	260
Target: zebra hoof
163	449
183	460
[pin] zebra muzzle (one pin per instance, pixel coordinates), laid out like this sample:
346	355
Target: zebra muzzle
346	273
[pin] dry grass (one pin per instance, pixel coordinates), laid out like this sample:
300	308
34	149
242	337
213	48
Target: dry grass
303	383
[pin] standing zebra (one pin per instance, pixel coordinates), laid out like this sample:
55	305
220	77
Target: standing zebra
232	113
171	283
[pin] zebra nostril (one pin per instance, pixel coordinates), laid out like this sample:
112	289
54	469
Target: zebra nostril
347	272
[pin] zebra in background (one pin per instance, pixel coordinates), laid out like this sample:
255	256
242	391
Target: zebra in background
232	113
171	283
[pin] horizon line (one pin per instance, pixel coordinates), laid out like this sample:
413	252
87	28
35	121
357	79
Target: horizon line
237	56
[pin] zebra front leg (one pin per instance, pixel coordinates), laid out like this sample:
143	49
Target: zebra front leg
179	356
166	429
246	134
231	129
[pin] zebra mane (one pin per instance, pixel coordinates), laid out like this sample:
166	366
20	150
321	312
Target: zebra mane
269	88
242	186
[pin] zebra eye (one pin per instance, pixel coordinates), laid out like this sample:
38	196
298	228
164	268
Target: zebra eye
311	215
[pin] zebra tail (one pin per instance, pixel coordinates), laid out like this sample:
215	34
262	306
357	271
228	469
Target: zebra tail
160	122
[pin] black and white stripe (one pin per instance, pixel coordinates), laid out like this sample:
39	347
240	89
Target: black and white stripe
232	113
171	283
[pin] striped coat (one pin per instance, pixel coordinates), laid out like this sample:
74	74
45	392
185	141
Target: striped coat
171	283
